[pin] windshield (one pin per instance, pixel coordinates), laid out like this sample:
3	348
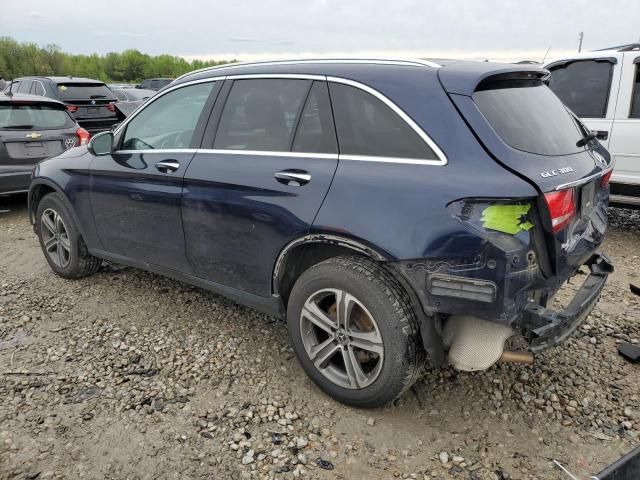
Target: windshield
84	91
529	117
34	117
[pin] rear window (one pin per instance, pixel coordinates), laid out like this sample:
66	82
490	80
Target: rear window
583	86
34	117
84	91
529	117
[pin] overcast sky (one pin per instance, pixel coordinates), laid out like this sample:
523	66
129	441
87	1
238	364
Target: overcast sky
249	29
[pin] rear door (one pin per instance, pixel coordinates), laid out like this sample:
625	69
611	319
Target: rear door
267	162
135	192
29	132
625	135
531	133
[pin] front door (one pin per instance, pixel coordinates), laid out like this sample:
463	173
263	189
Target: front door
260	180
135	192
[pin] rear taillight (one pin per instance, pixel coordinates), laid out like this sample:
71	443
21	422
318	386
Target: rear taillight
604	181
72	108
111	106
83	136
562	208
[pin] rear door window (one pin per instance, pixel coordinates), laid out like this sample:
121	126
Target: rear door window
367	126
316	132
528	117
84	91
583	86
261	114
635	97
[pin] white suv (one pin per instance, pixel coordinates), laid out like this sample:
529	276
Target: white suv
603	88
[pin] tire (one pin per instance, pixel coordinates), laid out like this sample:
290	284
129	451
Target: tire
60	239
375	340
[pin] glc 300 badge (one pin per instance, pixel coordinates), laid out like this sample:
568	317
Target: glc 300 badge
33	135
553	173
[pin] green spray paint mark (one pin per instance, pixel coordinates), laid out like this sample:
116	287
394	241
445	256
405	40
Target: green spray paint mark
509	219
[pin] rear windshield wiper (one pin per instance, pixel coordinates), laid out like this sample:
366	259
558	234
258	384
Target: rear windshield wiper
98	96
17	127
586	139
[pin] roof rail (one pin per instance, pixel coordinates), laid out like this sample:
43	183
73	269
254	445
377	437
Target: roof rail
416	62
621	48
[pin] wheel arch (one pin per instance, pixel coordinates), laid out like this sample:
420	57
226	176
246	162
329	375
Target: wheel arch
306	251
37	191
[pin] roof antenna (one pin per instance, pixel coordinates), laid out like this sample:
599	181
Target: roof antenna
546	53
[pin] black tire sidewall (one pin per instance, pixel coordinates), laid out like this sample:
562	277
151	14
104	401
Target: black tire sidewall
399	353
54	202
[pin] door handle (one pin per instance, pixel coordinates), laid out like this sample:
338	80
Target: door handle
293	177
602	134
167	166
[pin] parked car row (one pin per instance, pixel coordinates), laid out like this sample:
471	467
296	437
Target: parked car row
40	117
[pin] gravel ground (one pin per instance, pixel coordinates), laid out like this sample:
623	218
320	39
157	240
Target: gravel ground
128	375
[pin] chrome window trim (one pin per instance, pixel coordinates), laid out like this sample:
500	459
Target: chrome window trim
584	180
442	159
400	160
154	150
265	153
319	61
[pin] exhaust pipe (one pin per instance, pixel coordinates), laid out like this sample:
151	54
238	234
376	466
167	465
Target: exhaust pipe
517	357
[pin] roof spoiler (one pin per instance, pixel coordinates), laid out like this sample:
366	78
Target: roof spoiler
463	78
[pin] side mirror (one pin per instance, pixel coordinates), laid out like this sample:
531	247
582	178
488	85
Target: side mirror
101	144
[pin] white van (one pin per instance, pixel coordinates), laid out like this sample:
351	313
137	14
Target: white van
603	88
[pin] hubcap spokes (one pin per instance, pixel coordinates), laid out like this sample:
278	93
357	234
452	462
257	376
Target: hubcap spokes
342	338
55	238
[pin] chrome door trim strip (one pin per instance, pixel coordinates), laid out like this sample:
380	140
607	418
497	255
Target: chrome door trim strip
442	159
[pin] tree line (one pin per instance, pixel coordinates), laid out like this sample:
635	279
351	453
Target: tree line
24	58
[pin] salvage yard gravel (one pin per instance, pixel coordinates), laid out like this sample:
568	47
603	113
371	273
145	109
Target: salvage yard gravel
129	375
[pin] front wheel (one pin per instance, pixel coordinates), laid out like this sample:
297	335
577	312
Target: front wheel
60	239
354	331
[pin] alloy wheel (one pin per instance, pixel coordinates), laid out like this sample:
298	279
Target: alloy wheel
342	338
55	238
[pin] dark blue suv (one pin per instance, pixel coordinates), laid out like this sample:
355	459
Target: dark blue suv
394	212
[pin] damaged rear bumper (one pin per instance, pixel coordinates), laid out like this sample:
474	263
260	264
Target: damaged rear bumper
549	327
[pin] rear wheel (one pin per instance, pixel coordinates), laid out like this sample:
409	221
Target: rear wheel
60	239
354	331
